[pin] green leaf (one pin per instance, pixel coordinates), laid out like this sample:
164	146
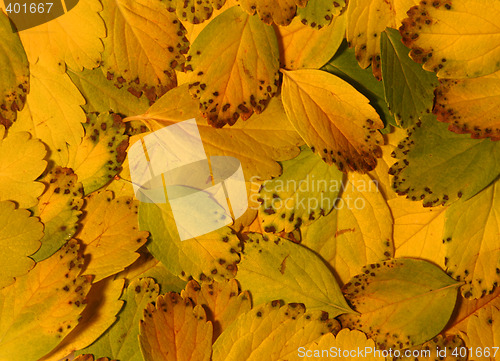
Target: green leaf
104	96
471	238
345	66
274	268
305	191
319	13
439	167
14	77
121	340
401	303
409	89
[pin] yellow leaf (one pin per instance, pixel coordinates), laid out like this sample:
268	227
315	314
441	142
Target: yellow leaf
418	230
175	330
471	234
272	333
102	306
366	20
110	233
19	238
319	13
469	50
266	138
281	12
222	300
439	348
91	358
194	11
14	78
58	209
357	232
334	119
74	38
42	307
21	162
244	75
470	105
304	47
145	43
483	334
52	112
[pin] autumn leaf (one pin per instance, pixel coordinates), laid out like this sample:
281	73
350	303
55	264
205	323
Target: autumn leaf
55	293
244	77
334	119
121	340
145	43
408	88
482	333
366	20
20	237
58	209
305	191
432	33
304	47
319	13
470	106
110	233
174	328
194	11
102	151
14	78
280	12
90	358
357	232
411	300
222	301
21	163
53	111
471	236
270	332
274	268
435	349
74	39
439	167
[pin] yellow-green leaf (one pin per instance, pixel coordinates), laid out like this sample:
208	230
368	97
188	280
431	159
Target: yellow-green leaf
319	13
53	111
470	105
304	47
357	232
333	118
272	333
223	301
58	209
19	238
14	77
245	75
102	151
280	12
42	307
21	162
145	43
74	38
175	329
90	358
401	303
466	51
274	268
439	348
110	233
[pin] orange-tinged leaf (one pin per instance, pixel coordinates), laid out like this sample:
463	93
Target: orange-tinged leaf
42	307
175	329
280	12
21	162
110	233
232	75
223	301
470	105
304	47
145	43
58	209
483	332
19	238
366	20
334	119
455	39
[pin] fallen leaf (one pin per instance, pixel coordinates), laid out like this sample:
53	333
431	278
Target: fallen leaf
280	12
